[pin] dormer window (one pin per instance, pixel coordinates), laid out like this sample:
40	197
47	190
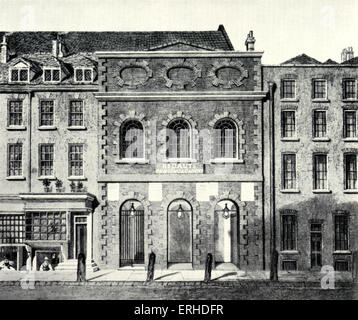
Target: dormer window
19	75
83	75
52	75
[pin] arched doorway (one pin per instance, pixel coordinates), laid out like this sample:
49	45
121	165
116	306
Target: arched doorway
226	233
180	232
131	233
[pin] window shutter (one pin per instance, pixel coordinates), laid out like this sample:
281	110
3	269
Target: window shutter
312	89
343	91
281	89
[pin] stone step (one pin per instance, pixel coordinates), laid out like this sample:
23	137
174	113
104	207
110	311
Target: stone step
71	265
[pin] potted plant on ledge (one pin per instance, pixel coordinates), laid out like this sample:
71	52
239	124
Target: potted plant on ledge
73	186
58	184
79	186
46	183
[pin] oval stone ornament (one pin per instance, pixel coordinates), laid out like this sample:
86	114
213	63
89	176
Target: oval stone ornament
227	74
133	75
181	75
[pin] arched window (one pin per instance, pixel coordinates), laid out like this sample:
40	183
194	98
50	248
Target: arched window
225	139
131	140
178	139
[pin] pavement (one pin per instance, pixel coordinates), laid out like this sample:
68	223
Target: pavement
167	275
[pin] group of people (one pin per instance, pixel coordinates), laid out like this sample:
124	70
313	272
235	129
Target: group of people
47	264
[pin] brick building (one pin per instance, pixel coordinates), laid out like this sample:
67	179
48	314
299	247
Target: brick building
119	144
316	145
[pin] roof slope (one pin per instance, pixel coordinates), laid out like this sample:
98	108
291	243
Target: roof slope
302	59
330	61
75	42
351	61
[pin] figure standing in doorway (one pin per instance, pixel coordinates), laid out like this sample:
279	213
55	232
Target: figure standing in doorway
81	268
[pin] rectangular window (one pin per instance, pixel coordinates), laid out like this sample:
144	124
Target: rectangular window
341	232
289	265
15	159
15	113
83	75
341	265
19	75
288	124
76	114
46	113
319	89
46	159
350	171
46	225
75	159
316	245
349	89
350	124
289	171
289	226
52	75
320	172
288	89
319	124
12	228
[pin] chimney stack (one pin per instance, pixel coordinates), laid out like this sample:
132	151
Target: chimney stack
57	47
347	54
4	53
250	42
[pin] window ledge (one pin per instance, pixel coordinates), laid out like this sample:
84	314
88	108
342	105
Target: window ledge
47	128
342	252
322	139
132	161
350	191
290	191
227	161
16	128
175	160
321	100
77	128
14	178
292	139
289	100
350	139
46	177
80	178
350	100
321	191
289	252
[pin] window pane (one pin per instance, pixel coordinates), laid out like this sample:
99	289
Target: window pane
350	171
88	75
46	113
349	89
288	232
56	75
319	89
75	158
15	159
288	124
225	139
79	75
15	75
132	140
320	172
178	144
12	228
341	232
288	89
289	171
47	75
23	75
319	124
76	113
15	113
46	159
350	124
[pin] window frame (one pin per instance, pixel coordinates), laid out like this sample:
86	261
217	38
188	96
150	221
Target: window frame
20	161
47	126
190	147
284	125
323	124
70	126
16	220
344	93
345	180
314	172
51	70
18	75
15	126
83	79
294	89
284	214
52	176
314	98
355	136
237	143
70	175
283	171
345	215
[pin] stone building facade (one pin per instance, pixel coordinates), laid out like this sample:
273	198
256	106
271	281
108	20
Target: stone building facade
315	129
